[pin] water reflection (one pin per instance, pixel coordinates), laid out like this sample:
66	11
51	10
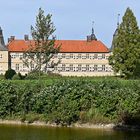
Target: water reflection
11	132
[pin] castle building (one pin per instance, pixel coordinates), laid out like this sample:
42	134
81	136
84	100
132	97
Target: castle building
3	54
77	57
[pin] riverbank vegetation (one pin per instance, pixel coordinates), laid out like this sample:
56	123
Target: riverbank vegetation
68	100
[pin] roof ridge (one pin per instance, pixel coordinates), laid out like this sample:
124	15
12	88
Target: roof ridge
67	46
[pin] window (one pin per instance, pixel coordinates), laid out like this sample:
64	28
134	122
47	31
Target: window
32	66
63	55
12	56
67	56
59	56
67	69
79	67
100	56
55	68
74	57
24	66
59	68
95	67
71	55
87	56
103	56
84	56
107	57
103	67
95	56
87	67
63	67
91	57
74	68
17	55
71	67
79	56
17	67
55	56
21	56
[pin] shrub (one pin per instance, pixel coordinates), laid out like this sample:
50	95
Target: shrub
16	77
51	74
9	74
67	101
1	77
33	75
8	99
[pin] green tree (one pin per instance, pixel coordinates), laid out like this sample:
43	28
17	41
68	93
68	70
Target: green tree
125	59
43	47
9	74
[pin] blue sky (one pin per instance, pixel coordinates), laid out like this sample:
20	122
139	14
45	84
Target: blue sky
72	18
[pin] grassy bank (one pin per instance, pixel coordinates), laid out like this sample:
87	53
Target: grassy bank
68	100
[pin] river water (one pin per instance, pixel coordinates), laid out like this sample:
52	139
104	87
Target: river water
12	132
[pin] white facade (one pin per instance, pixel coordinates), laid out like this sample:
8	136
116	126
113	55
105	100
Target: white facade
71	64
3	62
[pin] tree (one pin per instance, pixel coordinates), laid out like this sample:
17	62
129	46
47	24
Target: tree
43	47
9	74
125	58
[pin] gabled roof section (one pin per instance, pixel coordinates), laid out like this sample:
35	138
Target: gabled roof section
67	46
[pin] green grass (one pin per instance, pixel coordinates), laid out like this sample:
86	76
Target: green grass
48	80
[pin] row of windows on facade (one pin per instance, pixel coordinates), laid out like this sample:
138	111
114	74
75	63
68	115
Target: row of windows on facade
83	68
70	56
70	67
81	56
23	67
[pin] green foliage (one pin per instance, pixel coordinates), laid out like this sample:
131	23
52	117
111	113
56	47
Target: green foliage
9	74
67	101
38	58
1	77
126	54
32	75
8	99
18	77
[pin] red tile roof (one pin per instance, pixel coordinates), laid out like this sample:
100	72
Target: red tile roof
66	46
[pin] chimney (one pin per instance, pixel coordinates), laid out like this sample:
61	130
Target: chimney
88	38
26	37
12	38
9	40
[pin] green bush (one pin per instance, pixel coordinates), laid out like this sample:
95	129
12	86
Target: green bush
67	101
1	77
34	75
8	99
16	77
9	74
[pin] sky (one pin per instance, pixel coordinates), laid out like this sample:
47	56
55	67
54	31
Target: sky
72	18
